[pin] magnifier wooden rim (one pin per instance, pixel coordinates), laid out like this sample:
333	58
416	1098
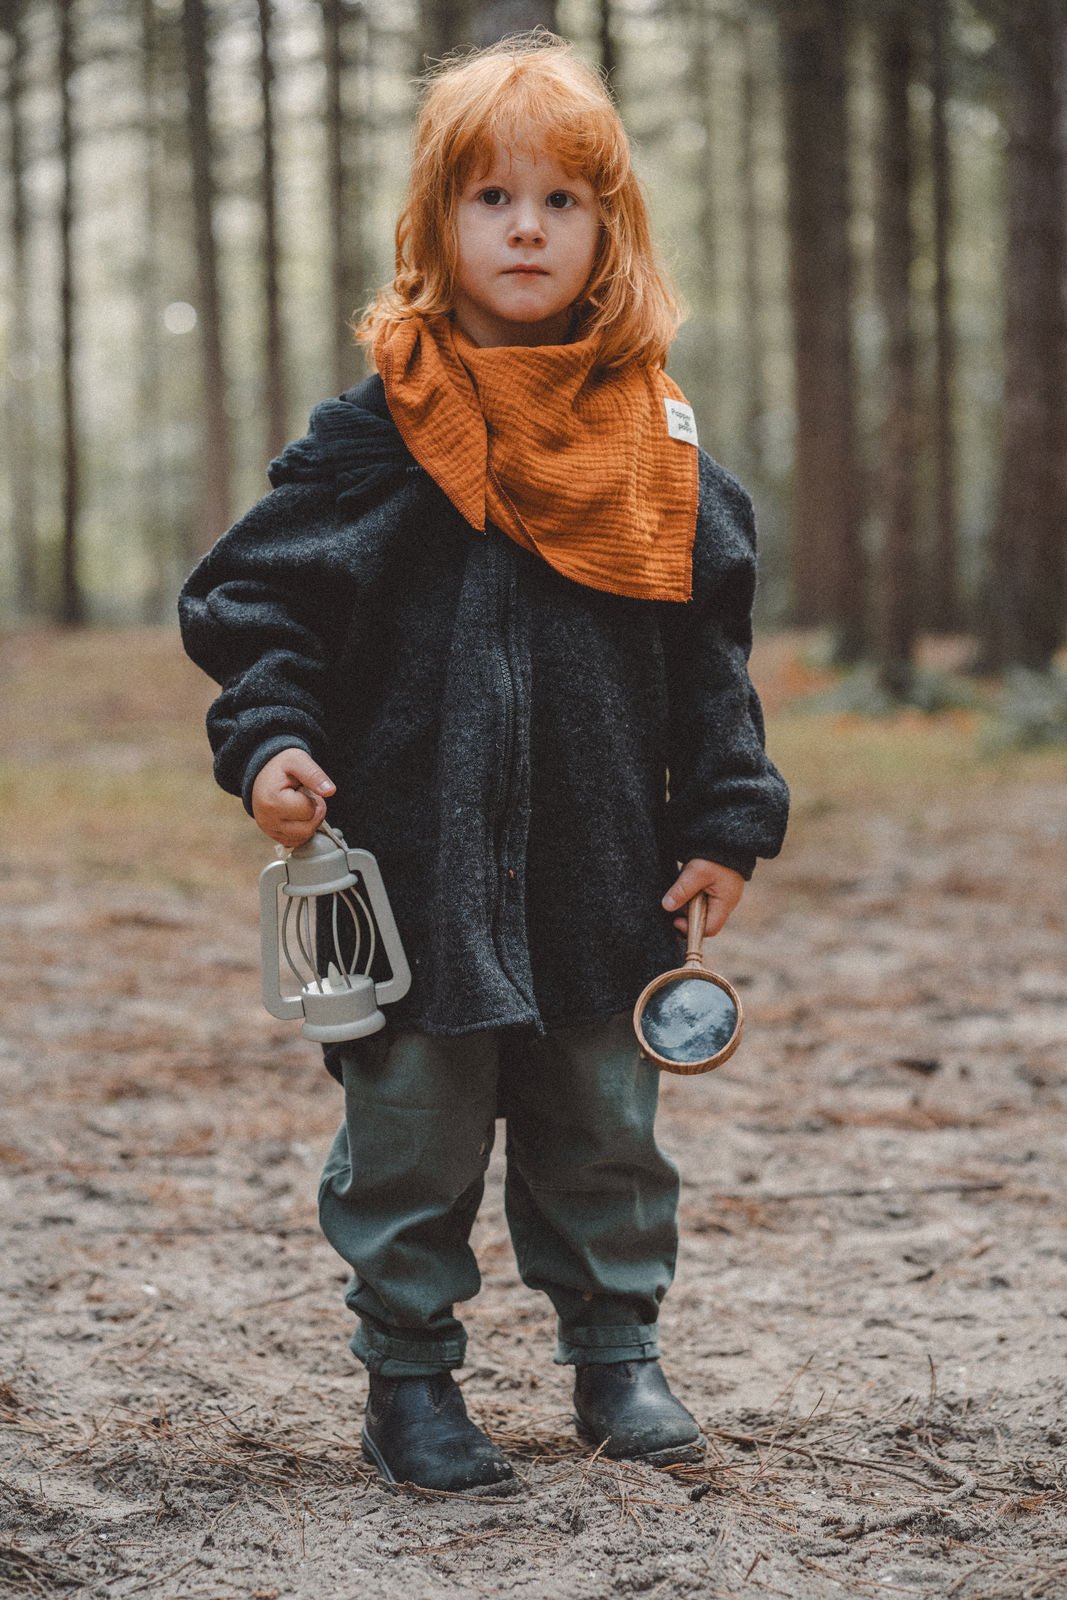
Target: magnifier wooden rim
694	968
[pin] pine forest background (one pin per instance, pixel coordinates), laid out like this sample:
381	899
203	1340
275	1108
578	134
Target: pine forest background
862	202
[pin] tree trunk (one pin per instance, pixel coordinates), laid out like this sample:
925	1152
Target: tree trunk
343	141
496	19
826	553
893	259
155	533
753	333
21	432
608	49
1028	587
444	25
71	610
707	275
942	584
214	511
274	380
447	25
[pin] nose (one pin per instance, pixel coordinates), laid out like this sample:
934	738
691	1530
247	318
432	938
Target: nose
526	226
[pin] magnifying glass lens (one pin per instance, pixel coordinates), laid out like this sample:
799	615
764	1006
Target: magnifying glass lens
689	1020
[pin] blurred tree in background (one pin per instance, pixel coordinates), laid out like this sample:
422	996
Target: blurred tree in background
862	202
826	566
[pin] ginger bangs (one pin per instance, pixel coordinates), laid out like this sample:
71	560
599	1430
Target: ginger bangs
528	93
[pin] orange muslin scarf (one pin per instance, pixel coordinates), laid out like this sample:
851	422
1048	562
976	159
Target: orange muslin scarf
570	462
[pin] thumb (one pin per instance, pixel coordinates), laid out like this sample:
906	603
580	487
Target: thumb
308	773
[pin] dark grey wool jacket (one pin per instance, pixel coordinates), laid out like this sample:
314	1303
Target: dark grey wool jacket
500	736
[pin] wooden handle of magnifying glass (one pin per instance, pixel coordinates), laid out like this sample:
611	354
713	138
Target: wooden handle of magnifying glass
698	916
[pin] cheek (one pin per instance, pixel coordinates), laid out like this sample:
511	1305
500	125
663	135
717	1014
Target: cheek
467	262
469	242
585	252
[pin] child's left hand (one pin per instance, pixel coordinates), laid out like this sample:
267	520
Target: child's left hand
722	885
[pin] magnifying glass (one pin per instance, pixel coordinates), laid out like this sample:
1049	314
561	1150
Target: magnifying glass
689	1020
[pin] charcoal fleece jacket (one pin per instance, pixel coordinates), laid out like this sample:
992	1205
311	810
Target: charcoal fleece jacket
500	736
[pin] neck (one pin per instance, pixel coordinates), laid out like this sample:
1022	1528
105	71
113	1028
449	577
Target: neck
489	334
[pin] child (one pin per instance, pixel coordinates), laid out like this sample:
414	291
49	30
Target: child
498	594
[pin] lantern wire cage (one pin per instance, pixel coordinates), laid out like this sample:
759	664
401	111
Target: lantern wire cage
358	914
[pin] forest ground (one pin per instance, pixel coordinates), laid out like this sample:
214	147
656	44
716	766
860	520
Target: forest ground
870	1312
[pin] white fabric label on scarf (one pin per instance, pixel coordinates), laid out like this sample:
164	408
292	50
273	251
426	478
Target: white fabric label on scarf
681	422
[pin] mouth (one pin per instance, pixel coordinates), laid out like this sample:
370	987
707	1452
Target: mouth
526	272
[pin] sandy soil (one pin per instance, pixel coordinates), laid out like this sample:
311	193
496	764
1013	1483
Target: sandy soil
870	1313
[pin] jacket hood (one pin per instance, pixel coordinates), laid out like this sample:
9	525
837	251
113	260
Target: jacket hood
348	444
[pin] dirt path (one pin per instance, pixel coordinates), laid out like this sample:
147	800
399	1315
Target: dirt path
870	1313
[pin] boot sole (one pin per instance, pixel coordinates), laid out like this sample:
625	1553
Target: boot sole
371	1453
691	1450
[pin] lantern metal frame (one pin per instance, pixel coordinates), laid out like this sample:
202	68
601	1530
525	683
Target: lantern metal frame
346	1002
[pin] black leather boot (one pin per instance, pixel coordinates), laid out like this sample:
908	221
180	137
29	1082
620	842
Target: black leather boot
417	1431
627	1407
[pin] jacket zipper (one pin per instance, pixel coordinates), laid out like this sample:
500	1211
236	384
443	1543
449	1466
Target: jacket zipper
505	581
505	587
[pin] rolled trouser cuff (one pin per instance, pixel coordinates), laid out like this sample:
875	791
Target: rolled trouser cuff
590	1347
394	1357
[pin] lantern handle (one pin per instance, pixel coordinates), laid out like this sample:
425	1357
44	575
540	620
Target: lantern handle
331	833
324	827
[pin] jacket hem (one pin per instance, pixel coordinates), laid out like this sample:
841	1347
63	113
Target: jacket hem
542	1024
742	861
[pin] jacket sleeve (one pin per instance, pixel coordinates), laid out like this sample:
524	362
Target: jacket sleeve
728	803
258	615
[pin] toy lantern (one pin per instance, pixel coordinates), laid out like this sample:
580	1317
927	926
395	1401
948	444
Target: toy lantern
330	950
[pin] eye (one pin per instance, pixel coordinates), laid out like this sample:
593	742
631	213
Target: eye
560	200
493	197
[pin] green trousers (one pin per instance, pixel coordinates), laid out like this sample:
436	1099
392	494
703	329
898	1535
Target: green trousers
591	1202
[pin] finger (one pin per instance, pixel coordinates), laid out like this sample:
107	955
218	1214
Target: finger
717	914
689	880
291	834
718	911
307	773
296	805
295	837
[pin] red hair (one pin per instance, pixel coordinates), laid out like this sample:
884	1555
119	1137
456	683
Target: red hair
528	92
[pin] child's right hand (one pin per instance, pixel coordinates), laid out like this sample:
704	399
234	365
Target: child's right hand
281	803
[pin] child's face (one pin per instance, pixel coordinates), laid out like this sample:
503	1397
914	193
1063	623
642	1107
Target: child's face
526	234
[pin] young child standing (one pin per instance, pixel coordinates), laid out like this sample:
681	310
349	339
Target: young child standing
496	596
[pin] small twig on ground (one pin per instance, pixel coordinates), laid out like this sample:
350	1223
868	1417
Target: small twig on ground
858	1191
585	1472
821	1456
626	1500
965	1482
852	1582
787	1388
460	1541
35	1573
776	1431
279	1299
161	1577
